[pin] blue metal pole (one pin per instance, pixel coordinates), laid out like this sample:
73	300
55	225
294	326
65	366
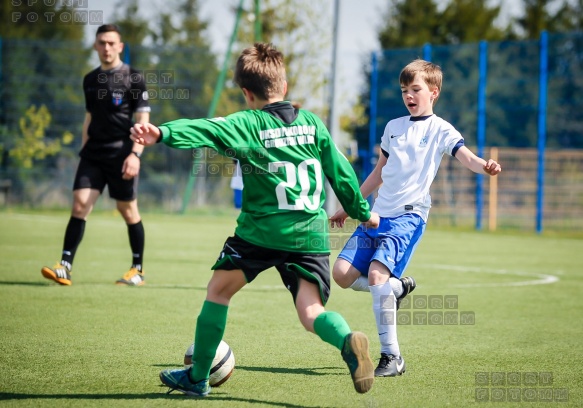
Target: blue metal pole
126	55
372	123
481	130
427	52
542	127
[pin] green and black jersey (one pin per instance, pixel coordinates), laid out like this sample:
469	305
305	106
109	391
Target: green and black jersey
284	153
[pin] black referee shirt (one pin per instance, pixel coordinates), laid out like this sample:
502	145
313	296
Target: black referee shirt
112	97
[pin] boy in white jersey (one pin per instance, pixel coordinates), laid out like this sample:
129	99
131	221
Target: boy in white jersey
285	154
411	151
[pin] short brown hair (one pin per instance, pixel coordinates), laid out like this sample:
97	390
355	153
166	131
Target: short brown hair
261	70
430	73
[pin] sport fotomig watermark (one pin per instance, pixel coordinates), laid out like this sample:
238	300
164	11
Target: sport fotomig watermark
427	310
24	10
517	386
160	84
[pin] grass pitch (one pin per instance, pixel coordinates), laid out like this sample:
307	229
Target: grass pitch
517	300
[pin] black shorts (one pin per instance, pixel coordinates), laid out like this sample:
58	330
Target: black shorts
96	174
252	260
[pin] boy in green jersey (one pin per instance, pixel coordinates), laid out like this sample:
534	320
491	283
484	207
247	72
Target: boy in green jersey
284	153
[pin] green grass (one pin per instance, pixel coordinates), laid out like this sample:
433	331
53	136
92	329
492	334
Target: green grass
97	344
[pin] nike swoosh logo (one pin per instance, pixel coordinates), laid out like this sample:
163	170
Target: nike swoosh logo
380	334
394	136
400	366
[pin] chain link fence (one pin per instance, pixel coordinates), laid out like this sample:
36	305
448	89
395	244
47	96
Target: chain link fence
35	73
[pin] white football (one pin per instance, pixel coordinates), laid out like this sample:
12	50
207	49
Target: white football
222	366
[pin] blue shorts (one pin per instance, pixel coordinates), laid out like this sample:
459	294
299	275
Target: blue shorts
391	244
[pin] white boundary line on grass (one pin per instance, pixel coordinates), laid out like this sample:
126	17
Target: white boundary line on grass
541	279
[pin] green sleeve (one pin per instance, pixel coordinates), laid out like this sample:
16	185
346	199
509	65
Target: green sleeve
195	133
342	178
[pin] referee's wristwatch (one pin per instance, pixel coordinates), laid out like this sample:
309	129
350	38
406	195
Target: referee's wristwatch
138	155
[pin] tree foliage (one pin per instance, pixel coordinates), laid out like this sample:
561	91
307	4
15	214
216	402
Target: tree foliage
460	21
550	15
180	48
38	68
39	20
31	144
405	26
301	30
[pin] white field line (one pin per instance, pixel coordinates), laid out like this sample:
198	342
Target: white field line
540	278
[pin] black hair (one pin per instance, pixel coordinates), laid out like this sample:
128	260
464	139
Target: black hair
106	28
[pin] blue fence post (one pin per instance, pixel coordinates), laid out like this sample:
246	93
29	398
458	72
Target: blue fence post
427	52
481	128
542	127
372	123
126	54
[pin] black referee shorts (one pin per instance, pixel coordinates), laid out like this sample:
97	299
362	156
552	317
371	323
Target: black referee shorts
253	259
96	174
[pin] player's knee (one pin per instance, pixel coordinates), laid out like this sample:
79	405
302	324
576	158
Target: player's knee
81	209
129	212
340	273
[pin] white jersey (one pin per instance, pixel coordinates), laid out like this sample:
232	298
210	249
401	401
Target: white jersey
415	147
237	179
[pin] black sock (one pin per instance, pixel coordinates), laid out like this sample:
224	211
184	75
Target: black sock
73	236
137	242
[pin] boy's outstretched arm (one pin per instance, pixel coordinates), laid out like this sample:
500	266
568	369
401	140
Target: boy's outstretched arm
477	164
145	134
372	182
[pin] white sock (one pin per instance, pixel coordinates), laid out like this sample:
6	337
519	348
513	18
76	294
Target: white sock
360	284
397	286
384	307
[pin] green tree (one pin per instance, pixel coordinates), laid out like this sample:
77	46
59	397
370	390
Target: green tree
181	47
405	26
31	144
38	67
469	21
301	29
536	18
460	21
40	20
181	76
540	15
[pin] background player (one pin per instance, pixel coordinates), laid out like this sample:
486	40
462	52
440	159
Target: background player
411	151
286	152
114	92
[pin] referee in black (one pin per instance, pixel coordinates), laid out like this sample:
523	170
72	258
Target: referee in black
115	94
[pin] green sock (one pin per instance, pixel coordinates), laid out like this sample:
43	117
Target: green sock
210	327
332	328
